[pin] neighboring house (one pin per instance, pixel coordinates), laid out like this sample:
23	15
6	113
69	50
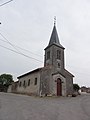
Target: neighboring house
53	78
3	88
85	89
13	87
88	90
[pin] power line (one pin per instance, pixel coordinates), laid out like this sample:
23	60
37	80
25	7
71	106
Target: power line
28	51
6	3
20	53
22	48
80	73
7	40
10	43
17	51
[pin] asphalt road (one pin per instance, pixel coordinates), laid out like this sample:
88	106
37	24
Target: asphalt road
21	107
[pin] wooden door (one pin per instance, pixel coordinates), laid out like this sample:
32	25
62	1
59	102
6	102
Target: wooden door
59	87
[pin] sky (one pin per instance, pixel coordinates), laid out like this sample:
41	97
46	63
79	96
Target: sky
27	24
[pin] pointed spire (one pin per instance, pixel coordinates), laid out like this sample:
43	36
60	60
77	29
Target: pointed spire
54	39
54	36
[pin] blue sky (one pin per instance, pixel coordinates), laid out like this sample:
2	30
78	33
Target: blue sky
28	24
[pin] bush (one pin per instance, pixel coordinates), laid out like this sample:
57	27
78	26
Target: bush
76	87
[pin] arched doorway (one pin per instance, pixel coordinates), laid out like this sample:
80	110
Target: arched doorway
59	87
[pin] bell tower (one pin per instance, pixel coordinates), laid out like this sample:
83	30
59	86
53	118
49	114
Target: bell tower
54	52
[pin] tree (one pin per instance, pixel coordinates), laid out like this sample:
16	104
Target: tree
6	79
76	87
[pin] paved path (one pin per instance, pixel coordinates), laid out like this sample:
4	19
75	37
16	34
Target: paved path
20	107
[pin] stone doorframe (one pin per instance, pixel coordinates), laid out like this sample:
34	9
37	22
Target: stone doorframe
59	87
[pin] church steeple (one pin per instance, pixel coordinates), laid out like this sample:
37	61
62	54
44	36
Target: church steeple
54	39
54	52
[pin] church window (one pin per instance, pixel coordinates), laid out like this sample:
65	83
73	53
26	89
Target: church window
35	81
48	55
24	83
20	84
29	82
58	54
58	65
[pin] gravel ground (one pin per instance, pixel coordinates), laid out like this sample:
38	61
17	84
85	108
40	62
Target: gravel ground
21	107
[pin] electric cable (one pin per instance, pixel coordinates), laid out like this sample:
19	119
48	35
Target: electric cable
22	48
20	53
6	3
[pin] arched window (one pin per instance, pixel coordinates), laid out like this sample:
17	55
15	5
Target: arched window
29	82
24	83
58	54
48	55
20	83
35	81
58	65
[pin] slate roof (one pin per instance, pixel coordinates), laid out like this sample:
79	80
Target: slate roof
67	72
54	39
36	70
64	74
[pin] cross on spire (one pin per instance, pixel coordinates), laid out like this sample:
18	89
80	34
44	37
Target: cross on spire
54	20
54	39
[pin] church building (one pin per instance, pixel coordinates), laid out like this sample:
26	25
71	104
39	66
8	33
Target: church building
52	79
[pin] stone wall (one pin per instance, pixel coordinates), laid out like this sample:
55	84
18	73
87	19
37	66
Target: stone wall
63	80
69	84
31	89
45	80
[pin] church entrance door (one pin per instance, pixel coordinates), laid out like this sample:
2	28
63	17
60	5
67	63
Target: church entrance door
59	87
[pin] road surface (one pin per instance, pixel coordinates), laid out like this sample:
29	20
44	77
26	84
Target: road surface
21	107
